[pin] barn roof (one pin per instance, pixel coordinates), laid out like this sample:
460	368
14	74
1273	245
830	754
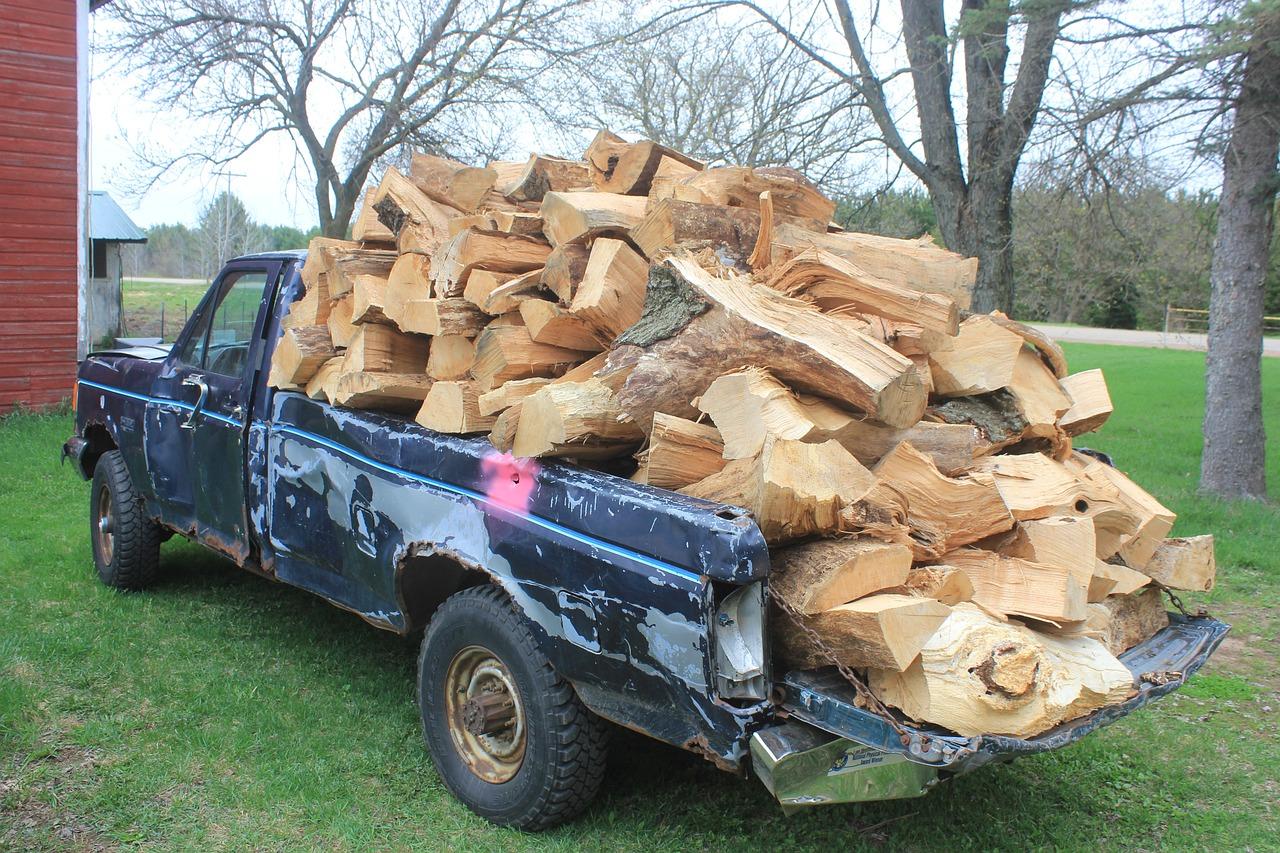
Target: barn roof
108	222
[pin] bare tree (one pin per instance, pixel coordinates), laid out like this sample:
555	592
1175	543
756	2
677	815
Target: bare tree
349	81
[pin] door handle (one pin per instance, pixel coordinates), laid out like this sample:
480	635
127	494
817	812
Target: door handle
195	382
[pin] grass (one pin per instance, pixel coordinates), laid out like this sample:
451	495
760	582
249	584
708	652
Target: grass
161	308
221	711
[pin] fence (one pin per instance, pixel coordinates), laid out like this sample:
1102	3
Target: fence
1187	326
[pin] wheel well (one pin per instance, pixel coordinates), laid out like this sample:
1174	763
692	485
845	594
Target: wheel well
427	577
98	441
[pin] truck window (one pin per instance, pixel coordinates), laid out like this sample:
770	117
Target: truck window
221	343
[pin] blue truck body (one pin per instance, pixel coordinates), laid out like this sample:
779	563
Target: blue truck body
651	604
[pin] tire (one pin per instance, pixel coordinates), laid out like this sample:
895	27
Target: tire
126	546
562	762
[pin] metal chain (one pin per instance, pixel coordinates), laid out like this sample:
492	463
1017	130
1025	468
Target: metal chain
860	687
1201	612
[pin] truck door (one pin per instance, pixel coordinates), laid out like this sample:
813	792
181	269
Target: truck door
198	416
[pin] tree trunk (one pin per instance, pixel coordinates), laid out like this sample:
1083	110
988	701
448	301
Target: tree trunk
984	229
1233	464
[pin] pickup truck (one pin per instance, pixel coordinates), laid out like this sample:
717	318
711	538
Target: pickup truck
553	601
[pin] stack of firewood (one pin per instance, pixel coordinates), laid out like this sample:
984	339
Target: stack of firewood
910	464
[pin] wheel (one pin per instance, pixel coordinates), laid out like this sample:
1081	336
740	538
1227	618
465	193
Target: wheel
126	544
508	736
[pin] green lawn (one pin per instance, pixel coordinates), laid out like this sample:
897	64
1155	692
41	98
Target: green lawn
222	711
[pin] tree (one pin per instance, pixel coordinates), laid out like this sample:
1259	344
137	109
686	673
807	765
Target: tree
1234	460
351	82
226	231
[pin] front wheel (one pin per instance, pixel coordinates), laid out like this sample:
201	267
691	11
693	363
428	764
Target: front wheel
126	544
508	736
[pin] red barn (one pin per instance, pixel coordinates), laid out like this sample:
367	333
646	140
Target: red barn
43	64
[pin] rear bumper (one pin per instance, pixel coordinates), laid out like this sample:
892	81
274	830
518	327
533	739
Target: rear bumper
832	751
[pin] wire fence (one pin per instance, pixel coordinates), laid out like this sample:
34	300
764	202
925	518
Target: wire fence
1185	326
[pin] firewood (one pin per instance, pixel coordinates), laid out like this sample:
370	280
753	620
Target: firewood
504	353
943	583
324	382
618	166
679	345
548	323
1039	400
299	354
451	357
485	221
749	406
508	394
381	349
1133	619
579	419
789	190
367	228
951	447
981	359
348	265
542	175
921	262
419	222
313	308
943	512
519	223
1186	563
454	316
452	407
730	231
609	297
762	252
320	253
1047	349
368	300
792	488
1066	542
481	283
681	452
565	267
506	298
816	576
576	216
838	285
885	631
1116	580
341	329
1090	402
1154	520
977	675
503	434
477	249
451	182
392	392
408	280
668	182
1016	587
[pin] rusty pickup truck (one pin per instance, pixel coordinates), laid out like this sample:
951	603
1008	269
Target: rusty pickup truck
553	602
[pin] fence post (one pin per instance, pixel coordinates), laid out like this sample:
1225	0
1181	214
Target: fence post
161	322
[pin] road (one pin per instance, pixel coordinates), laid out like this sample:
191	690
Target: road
1135	338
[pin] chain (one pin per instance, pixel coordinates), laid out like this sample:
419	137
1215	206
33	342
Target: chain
1201	612
860	688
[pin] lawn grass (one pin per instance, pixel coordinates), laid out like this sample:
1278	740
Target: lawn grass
221	711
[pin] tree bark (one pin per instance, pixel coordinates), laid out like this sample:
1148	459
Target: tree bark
1233	464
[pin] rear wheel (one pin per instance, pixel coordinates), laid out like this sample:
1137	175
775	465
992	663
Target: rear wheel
126	544
508	736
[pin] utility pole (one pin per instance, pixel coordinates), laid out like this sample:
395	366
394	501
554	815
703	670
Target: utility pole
224	242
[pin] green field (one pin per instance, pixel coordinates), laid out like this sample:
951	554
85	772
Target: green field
221	711
161	308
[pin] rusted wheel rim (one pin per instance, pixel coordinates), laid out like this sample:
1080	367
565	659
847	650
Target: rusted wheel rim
104	527
486	718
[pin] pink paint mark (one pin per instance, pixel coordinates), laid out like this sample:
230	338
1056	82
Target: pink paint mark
509	480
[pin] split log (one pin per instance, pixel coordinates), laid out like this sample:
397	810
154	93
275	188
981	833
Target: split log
995	416
1154	520
341	329
1090	402
739	186
678	347
816	576
506	298
419	222
409	280
482	283
730	231
943	512
476	249
838	285
548	323
381	349
312	309
1116	580
977	675
609	296
618	166
1016	587
392	392
348	265
485	221
951	447
367	228
1133	619
324	383
1186	563
762	252
451	357
320	254
1048	349
923	263
793	489
542	175
519	223
946	584
681	452
1040	401
575	216
565	267
579	419
453	183
508	394
368	300
1066	542
504	353
884	631
299	354
453	407
981	359
454	316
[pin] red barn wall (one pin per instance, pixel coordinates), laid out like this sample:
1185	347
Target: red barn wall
39	201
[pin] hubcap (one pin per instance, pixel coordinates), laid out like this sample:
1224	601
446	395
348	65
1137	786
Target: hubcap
486	719
105	526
